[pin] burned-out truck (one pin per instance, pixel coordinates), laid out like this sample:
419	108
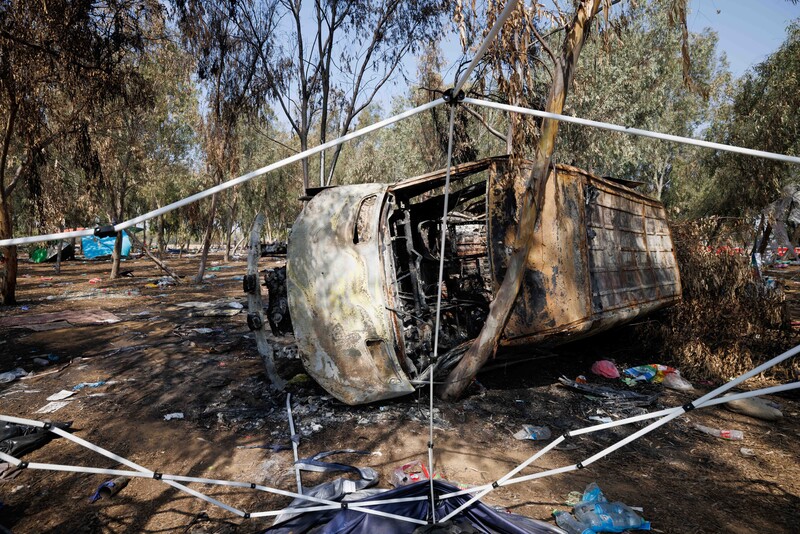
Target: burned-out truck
363	260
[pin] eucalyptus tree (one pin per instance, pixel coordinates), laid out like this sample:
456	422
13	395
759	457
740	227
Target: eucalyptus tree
334	56
146	145
60	63
635	77
763	112
232	43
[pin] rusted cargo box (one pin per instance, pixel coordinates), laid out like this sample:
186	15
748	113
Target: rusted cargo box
363	260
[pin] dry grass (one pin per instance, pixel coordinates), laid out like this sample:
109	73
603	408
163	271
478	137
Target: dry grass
728	322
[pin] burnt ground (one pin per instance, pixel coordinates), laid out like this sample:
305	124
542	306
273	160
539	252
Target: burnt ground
154	363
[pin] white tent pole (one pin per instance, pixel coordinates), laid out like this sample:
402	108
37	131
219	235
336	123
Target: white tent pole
633	131
439	303
506	480
230	183
485	45
147	472
294	443
490	37
381	124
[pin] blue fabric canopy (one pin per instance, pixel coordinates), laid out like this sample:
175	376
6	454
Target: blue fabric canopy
95	247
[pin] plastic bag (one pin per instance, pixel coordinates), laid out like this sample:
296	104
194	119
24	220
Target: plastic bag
409	473
605	368
676	381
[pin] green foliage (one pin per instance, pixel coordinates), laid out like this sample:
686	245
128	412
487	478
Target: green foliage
763	112
634	77
275	194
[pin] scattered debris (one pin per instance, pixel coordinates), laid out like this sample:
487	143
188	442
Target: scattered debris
203	331
175	415
109	488
18	440
534	433
653	372
573	498
610	394
595	514
82	385
747	453
51	407
733	435
409	473
677	382
605	368
10	376
599	419
61	395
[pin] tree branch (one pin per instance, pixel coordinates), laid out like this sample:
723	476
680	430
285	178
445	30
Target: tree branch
480	118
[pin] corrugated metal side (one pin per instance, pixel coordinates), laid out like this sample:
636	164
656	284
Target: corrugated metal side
631	258
603	255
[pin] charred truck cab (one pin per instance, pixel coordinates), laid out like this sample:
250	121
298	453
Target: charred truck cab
362	268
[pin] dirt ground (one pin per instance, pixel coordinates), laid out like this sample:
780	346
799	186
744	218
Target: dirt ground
162	358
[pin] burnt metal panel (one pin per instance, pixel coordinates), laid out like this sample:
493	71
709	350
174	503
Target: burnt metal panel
337	295
632	259
554	297
602	255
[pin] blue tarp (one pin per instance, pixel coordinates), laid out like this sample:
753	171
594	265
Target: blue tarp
477	518
95	247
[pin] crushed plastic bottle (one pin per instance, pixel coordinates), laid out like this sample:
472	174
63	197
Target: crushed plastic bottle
570	524
12	375
593	493
595	514
733	435
609	517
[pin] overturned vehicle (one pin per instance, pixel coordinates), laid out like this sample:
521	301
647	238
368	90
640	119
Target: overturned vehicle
363	260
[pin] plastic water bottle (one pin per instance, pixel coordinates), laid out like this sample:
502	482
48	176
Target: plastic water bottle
733	435
570	524
609	516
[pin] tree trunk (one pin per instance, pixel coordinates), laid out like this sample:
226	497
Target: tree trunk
256	307
229	228
119	211
162	247
238	245
155	260
486	343
116	255
59	248
8	267
212	212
